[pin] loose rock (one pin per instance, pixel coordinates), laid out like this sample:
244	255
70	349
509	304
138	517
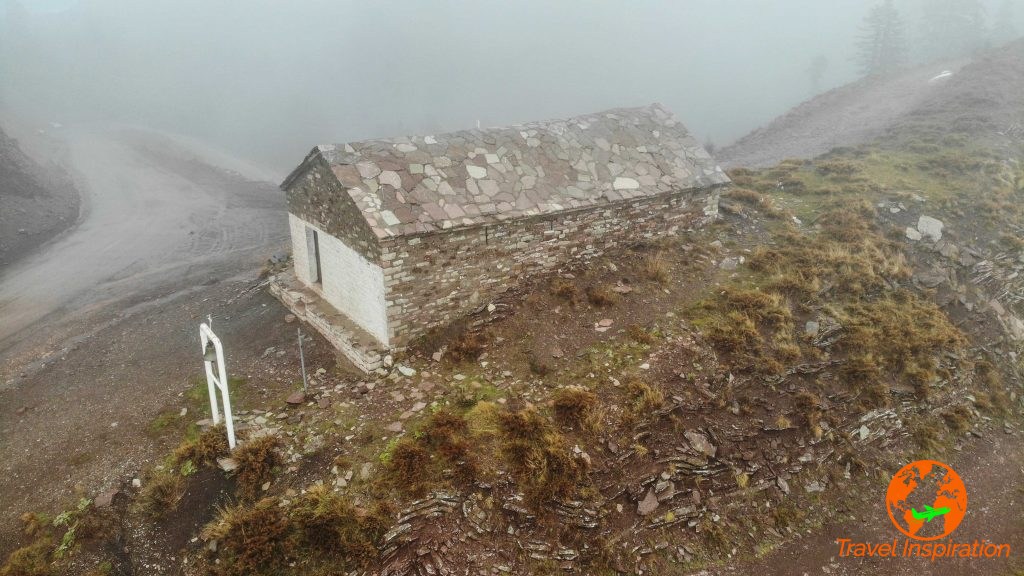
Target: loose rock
700	443
930	228
648	505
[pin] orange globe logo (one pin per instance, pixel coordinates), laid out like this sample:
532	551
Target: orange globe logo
926	500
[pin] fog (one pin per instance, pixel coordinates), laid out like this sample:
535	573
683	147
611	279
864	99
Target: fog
269	79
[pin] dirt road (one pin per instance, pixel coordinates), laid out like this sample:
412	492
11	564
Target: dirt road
157	215
95	327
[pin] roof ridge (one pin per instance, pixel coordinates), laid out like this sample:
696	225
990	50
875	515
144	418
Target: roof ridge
416	184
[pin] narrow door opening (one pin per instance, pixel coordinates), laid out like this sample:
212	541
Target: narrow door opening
313	250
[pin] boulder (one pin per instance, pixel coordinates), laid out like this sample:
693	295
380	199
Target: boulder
930	228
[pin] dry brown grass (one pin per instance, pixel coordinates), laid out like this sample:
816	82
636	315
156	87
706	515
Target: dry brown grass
809	405
257	460
577	407
566	290
204	450
754	328
754	198
639	335
538	366
655	267
787	514
482	420
440	449
250	540
928	435
539	457
31	560
990	392
863	374
469	346
837	168
601	296
898	334
161	492
320	526
643	397
331	524
958	418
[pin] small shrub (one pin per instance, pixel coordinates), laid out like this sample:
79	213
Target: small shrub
639	335
565	290
469	346
417	463
576	406
539	457
250	540
204	450
601	296
655	268
958	418
538	366
482	420
31	560
644	398
330	523
257	460
161	493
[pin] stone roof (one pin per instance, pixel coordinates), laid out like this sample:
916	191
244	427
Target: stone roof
422	184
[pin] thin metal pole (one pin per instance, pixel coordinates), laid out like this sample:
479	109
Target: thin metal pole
302	362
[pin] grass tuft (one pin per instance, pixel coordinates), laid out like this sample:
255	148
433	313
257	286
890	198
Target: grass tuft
257	460
577	407
539	457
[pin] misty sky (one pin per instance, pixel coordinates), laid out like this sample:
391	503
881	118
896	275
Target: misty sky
269	79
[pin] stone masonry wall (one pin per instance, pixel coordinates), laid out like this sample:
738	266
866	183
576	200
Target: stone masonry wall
434	279
318	198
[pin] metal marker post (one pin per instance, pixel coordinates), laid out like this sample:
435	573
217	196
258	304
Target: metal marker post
302	362
220	380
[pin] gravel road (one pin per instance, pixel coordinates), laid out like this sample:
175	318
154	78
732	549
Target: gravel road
157	214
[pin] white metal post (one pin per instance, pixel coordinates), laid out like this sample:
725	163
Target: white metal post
220	380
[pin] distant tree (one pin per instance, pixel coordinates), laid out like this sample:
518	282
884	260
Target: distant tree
882	47
953	28
816	71
1003	29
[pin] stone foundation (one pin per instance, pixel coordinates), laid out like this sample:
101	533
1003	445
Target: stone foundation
362	349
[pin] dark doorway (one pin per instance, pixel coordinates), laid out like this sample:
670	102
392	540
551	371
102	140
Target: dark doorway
313	249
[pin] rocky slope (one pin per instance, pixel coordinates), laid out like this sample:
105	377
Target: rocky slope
985	90
36	202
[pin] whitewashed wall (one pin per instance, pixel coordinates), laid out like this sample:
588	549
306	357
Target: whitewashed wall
349	282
